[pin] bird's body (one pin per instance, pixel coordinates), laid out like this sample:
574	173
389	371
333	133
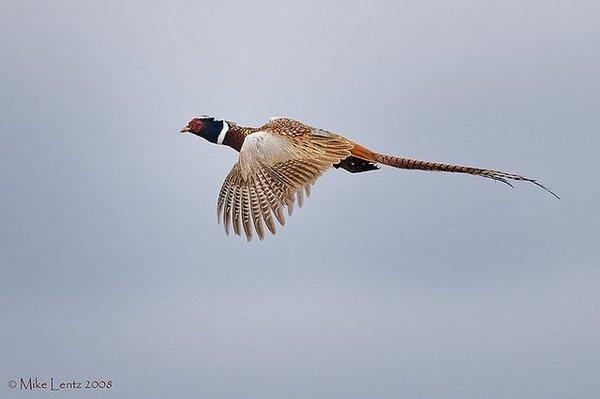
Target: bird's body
280	160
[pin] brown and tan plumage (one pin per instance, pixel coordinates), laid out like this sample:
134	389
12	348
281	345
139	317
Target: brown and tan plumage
279	162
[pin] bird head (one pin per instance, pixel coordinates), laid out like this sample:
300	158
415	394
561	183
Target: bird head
208	128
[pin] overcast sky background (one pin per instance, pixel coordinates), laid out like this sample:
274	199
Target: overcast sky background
386	284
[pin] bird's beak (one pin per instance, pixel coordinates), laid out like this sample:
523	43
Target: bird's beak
184	130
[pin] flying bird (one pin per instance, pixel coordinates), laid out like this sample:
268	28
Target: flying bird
280	160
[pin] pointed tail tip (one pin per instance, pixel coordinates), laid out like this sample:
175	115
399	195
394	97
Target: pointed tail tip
540	185
547	190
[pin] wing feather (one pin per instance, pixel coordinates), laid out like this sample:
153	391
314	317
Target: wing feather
223	195
229	201
264	199
245	198
275	202
237	206
256	210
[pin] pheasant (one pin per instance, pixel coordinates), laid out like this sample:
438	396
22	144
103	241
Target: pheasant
279	162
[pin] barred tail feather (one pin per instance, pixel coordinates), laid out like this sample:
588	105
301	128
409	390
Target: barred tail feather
407	163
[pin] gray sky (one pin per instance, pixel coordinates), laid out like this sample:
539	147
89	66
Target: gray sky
386	284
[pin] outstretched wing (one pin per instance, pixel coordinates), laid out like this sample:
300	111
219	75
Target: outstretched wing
276	167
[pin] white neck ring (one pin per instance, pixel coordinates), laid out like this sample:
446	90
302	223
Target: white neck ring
223	133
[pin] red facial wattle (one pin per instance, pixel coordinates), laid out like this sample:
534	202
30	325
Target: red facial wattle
195	125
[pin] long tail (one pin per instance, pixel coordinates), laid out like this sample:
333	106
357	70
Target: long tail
407	163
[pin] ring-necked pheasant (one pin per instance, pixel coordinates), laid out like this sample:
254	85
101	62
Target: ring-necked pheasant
280	160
